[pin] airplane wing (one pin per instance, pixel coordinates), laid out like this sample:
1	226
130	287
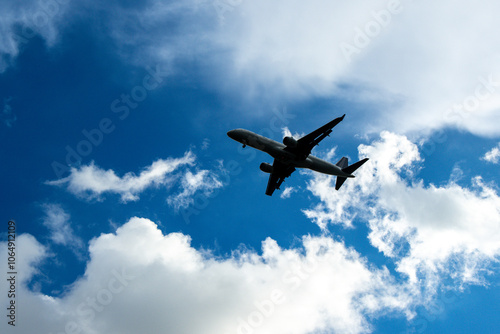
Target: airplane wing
276	178
307	143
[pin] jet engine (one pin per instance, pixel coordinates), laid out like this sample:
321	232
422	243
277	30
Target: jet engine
290	142
266	168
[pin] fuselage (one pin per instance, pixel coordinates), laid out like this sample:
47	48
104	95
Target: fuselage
278	151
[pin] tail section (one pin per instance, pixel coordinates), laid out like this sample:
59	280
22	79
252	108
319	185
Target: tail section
343	164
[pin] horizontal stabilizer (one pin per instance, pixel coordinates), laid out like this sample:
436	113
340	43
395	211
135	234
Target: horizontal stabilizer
340	182
349	170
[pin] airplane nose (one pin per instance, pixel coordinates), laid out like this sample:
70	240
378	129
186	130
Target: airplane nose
232	134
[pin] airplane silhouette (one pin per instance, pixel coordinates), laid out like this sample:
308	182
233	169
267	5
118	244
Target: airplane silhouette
296	153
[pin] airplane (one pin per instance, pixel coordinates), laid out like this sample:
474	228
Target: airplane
296	153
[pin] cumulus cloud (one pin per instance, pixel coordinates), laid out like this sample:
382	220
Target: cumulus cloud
58	223
33	253
139	280
91	181
431	231
30	257
493	155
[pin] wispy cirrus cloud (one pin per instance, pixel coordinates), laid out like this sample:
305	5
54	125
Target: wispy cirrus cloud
287	192
8	116
92	181
58	222
21	22
204	181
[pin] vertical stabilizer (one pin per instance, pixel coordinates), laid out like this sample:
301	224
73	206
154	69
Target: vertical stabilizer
343	163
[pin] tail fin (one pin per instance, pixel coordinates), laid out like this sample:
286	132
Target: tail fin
343	164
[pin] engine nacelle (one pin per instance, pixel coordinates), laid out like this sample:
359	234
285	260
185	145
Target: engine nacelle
266	168
290	142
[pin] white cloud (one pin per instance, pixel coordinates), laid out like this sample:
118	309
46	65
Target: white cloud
413	72
493	155
8	116
414	76
58	223
205	144
457	174
91	181
203	180
287	133
42	319
20	23
429	231
139	280
287	192
26	265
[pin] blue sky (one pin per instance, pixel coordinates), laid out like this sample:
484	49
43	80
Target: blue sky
135	211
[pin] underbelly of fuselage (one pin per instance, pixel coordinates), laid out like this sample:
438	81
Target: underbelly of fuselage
277	151
311	162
